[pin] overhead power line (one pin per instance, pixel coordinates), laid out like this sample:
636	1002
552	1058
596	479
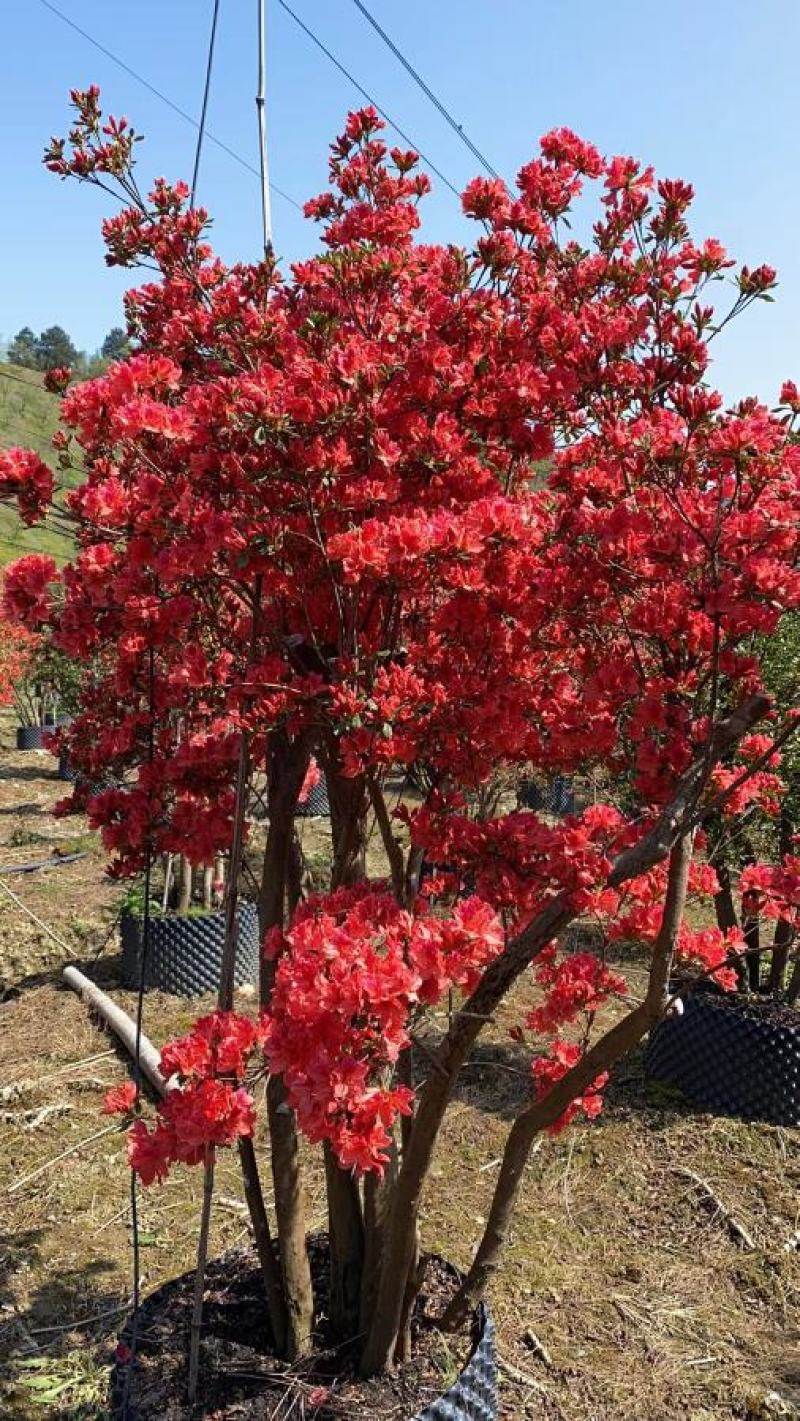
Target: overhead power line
204	110
360	87
145	83
426	89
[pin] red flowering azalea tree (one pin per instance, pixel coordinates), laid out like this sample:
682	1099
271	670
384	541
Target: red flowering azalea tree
16	647
470	510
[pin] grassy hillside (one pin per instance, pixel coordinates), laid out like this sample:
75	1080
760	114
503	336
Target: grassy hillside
29	418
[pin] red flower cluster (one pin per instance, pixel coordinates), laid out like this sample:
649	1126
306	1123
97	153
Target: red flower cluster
57	378
121	1099
352	968
581	983
775	888
209	1109
190	1123
16	648
27	479
26	589
561	1057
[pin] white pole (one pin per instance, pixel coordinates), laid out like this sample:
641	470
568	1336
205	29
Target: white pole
261	99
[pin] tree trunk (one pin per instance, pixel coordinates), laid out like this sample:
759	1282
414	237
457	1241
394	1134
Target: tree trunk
724	904
346	1237
287	770
273	1285
784	932
184	885
377	1200
348	805
295	874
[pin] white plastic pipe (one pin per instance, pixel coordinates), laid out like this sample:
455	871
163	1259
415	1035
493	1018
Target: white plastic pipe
122	1025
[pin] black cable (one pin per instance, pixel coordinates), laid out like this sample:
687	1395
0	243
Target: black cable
426	89
206	90
363	92
164	99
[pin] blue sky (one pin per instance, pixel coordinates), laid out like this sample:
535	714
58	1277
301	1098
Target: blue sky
703	89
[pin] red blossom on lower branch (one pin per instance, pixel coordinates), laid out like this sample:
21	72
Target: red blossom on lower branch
190	1122
561	1057
580	983
121	1099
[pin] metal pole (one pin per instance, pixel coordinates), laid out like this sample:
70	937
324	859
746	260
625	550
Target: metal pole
261	99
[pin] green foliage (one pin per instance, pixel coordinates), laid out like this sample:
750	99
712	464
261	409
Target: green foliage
23	351
116	344
54	347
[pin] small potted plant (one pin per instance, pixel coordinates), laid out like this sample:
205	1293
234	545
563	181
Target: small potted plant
44	693
186	933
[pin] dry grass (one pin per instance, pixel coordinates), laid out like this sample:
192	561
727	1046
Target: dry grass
641	1298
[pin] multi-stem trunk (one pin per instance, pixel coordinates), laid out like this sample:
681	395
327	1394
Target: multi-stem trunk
672	824
287	769
545	1112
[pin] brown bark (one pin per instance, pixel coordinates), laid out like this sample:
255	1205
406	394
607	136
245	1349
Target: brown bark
287	770
784	932
546	1111
727	917
346	1236
781	943
184	885
295	874
673	823
270	1272
377	1200
348	805
392	846
200	1277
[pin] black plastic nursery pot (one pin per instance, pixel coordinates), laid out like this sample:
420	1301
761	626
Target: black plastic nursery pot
240	1377
31	737
732	1054
184	953
65	770
316	804
555	797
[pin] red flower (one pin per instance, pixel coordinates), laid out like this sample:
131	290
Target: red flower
57	378
26	477
121	1099
26	593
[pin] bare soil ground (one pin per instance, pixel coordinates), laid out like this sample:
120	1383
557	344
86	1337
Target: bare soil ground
624	1294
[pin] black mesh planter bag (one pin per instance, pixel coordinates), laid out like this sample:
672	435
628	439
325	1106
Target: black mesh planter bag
31	737
732	1055
65	770
316	804
184	954
473	1395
